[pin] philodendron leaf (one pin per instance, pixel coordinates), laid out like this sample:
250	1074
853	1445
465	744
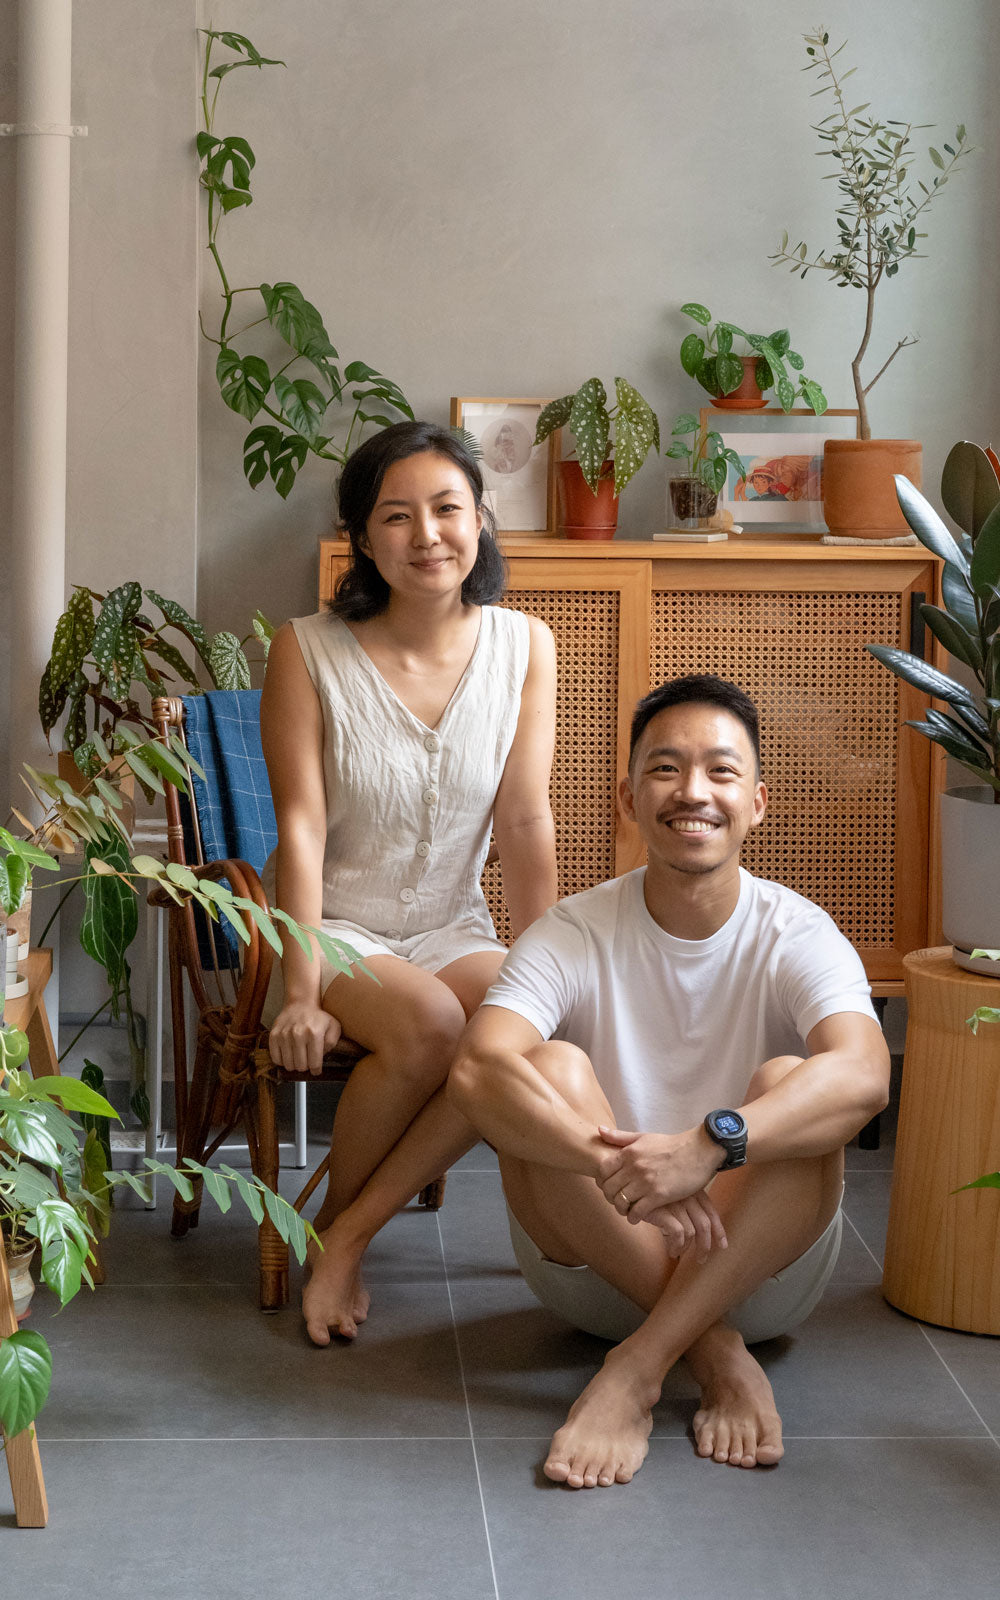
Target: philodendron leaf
984	1013
813	396
111	916
590	426
13	1048
728	373
73	1095
989	1180
700	313
266	450
636	431
294	317
23	1128
25	1377
243	381
692	352
227	663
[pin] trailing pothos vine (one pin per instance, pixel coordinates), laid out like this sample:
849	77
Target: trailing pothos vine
301	410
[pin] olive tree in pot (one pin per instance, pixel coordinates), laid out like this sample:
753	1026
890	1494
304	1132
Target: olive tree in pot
880	212
589	486
968	625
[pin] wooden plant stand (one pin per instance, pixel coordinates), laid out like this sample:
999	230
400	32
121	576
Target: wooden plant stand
942	1254
31	1507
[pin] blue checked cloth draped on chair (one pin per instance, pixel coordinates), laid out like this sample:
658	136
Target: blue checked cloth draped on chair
233	800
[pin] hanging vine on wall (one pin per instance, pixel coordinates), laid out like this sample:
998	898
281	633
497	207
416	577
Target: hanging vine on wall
300	409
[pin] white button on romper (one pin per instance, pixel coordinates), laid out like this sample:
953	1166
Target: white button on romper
410	808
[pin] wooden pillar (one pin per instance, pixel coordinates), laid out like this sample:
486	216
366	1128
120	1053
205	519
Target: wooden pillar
31	1507
942	1254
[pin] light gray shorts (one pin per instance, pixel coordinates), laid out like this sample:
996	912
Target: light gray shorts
591	1303
433	950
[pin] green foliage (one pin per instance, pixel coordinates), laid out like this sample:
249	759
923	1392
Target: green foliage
18	859
25	1377
706	457
104	649
631	421
968	625
719	371
878	212
303	412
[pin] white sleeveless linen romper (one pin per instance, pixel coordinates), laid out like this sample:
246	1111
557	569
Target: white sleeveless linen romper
409	808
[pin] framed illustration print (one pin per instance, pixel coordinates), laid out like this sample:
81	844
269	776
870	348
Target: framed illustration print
519	477
780	487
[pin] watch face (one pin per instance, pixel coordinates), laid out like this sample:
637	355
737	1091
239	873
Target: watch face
728	1124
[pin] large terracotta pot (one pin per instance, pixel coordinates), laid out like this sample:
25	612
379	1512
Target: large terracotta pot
582	514
859	495
970	874
748	396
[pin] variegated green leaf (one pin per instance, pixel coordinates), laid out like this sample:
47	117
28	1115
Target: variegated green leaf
590	426
227	663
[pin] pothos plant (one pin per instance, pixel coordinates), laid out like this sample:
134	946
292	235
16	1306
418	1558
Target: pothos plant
706	457
302	411
54	1193
629	427
719	370
878	214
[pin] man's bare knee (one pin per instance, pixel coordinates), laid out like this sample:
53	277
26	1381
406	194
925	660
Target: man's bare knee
770	1074
568	1069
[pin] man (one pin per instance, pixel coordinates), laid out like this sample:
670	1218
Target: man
728	1021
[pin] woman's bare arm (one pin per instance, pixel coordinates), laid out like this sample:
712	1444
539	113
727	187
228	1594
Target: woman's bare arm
291	725
522	816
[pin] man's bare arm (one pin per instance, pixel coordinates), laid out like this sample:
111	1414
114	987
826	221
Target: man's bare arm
510	1103
814	1109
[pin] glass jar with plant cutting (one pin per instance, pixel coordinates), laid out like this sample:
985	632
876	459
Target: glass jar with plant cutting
694	495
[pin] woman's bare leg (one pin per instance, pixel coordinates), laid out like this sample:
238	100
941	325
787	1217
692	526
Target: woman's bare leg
399	1131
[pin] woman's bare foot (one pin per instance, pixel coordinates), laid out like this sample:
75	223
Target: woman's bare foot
605	1438
334	1299
737	1422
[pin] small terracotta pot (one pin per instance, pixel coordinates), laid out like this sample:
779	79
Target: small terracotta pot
582	514
748	396
859	495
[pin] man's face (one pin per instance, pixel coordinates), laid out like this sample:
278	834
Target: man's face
693	789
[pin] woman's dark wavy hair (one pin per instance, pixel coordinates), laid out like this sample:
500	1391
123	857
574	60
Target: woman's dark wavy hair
361	591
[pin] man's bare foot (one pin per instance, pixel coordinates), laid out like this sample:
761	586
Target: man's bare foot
605	1438
334	1299
737	1422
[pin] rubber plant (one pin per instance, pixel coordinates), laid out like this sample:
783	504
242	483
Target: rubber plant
629	428
54	1192
968	625
304	393
105	651
719	370
879	214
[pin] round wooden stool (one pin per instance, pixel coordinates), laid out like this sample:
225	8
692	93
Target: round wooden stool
942	1252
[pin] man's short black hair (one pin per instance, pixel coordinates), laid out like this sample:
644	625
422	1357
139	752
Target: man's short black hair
698	688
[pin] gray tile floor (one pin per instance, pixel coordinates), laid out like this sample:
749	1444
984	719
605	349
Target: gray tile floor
193	1447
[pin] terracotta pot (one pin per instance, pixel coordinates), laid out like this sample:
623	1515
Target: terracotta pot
22	1284
859	495
582	514
748	396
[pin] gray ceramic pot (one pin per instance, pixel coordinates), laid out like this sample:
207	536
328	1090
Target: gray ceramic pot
970	874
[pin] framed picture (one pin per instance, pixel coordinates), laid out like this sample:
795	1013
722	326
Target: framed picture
519	476
780	487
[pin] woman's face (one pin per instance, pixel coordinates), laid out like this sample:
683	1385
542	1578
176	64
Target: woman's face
423	532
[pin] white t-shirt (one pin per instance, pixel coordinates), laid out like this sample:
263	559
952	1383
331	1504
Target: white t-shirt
677	1027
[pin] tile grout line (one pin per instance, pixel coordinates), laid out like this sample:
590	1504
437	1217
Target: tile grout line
468	1409
51	1441
972	1407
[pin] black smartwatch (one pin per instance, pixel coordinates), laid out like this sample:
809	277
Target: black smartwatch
729	1130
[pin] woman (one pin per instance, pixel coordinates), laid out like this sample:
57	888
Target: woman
396	731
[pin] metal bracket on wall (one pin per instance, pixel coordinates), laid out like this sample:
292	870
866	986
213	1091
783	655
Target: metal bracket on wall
65	130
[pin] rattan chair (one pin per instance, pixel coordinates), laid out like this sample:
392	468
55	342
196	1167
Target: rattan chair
232	1082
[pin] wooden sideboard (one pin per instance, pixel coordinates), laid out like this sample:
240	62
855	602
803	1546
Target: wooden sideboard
852	818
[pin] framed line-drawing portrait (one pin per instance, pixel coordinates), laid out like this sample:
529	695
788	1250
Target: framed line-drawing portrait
519	476
780	487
